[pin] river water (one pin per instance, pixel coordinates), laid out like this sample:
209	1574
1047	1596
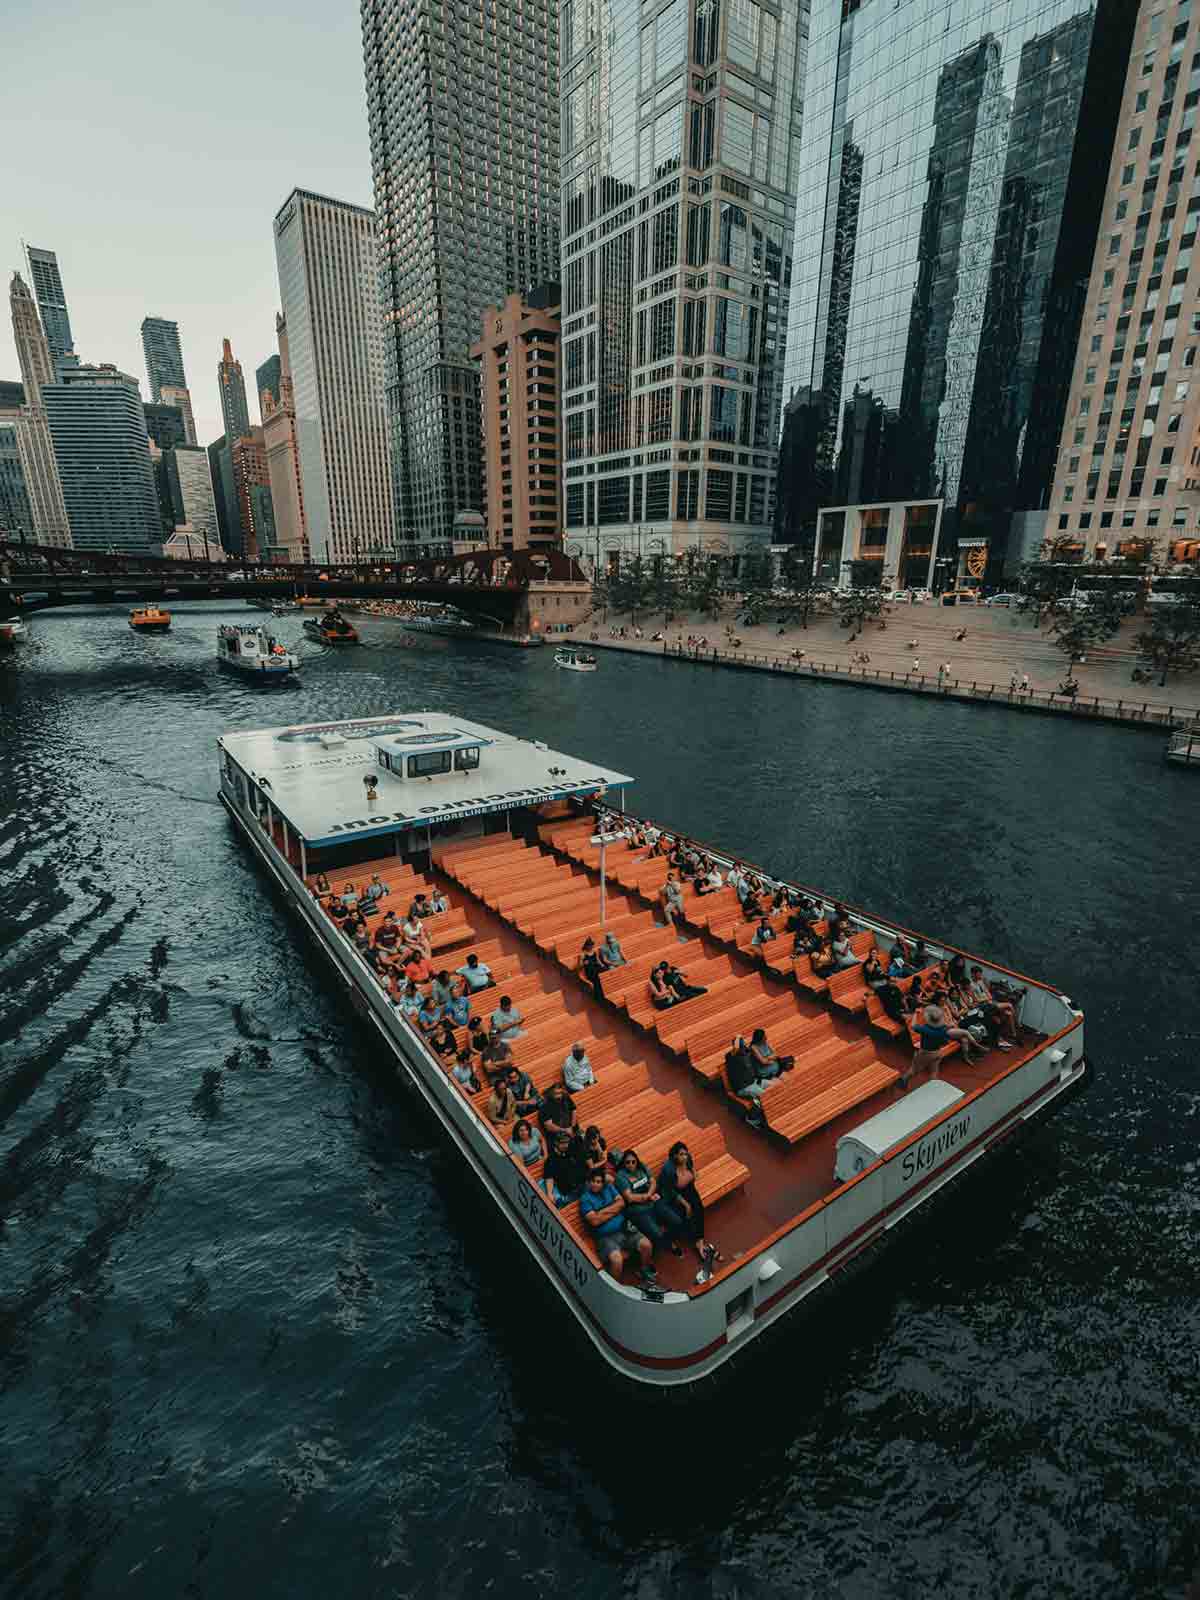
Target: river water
256	1338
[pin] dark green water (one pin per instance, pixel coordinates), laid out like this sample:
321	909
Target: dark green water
255	1339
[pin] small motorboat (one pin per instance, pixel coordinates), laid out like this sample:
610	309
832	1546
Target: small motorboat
13	631
149	619
251	649
332	628
572	660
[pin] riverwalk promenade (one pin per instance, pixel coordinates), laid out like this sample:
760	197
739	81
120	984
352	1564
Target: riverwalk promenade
910	653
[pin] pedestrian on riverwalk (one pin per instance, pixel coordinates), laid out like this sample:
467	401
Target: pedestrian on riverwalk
1024	683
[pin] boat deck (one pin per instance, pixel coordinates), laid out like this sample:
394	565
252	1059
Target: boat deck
527	907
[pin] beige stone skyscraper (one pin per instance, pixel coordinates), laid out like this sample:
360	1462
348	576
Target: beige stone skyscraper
283	459
1127	480
325	250
42	483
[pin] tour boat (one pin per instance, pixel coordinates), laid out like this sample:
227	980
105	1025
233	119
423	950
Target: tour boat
1183	747
573	660
332	628
13	631
149	619
248	647
444	621
531	856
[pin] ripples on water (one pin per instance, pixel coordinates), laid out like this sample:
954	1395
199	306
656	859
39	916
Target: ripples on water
256	1338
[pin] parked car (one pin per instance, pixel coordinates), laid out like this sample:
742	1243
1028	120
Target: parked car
1003	600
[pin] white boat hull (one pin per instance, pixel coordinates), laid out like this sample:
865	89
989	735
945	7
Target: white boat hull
682	1338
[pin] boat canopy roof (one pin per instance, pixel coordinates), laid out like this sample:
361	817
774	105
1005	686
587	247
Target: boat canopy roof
314	773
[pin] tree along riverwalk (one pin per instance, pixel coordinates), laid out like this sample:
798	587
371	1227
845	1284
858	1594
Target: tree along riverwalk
1130	713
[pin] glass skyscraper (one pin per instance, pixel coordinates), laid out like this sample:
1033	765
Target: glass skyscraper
232	387
462	102
164	355
103	455
951	178
51	301
680	137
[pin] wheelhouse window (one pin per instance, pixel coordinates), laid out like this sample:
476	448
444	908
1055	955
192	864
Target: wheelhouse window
466	760
429	765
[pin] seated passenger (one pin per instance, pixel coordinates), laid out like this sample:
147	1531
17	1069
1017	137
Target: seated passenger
525	1143
843	956
438	903
476	974
429	1015
496	1055
441	988
897	966
920	956
420	906
564	1174
442	1039
741	1069
644	1206
824	962
477	1042
677	1185
414	933
678	984
595	1151
417	968
557	1112
577	1069
373	894
387	934
764	933
590	966
873	973
349	897
603	1211
661	994
506	1019
710	881
501	1105
458	1009
769	1064
610	953
410	1000
524	1091
337	910
321	885
805	942
999	1016
671	899
463	1073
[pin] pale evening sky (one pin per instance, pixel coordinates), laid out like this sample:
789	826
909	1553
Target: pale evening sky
151	145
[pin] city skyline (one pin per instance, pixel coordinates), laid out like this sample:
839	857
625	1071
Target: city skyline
130	241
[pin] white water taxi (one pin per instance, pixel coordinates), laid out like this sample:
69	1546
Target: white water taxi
573	660
249	648
526	858
444	621
13	630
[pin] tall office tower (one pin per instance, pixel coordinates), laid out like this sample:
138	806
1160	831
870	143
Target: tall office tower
1126	481
42	484
463	110
233	394
329	287
519	400
283	456
164	356
680	131
165	426
51	301
193	504
16	514
181	399
229	517
103	454
946	211
266	380
253	487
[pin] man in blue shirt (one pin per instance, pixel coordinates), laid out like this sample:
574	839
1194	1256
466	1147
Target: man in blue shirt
603	1211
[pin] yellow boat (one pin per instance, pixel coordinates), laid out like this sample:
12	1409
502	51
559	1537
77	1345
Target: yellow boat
149	619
